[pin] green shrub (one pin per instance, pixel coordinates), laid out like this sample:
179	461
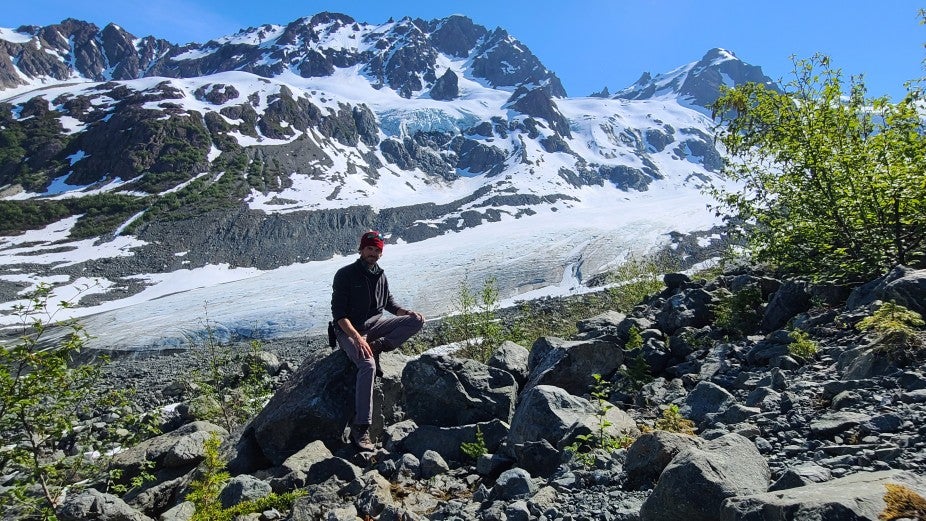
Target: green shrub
205	490
635	373
600	439
477	448
801	345
739	313
898	330
673	421
830	182
224	393
476	322
46	394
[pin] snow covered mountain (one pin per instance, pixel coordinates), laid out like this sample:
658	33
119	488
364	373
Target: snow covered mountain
146	169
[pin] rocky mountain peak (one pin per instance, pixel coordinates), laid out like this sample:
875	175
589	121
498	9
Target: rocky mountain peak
698	82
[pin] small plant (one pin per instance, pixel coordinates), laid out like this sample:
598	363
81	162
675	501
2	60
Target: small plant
205	490
902	503
739	312
673	421
223	394
476	323
801	345
634	339
477	448
599	439
896	324
635	374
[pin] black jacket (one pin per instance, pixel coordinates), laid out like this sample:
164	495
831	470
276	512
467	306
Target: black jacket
360	295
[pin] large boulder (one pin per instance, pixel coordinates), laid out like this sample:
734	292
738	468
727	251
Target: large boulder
511	357
651	453
317	403
853	498
690	308
550	413
697	480
903	285
181	450
706	398
91	504
571	364
792	298
445	391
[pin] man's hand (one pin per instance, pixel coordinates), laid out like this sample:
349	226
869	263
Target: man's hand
365	350
415	314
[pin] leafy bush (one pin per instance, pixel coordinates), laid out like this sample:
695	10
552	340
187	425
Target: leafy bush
897	327
739	313
46	394
831	181
801	345
673	421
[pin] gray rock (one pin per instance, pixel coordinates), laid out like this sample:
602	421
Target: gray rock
91	504
511	357
856	497
539	458
801	475
179	449
570	365
691	308
243	488
905	286
314	404
835	423
432	464
697	480
649	455
706	398
182	512
447	391
375	496
514	484
608	319
550	413
791	298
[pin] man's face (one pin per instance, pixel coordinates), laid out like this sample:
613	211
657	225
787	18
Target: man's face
370	254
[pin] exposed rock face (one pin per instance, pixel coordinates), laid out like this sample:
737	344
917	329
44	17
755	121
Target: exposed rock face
697	480
402	55
701	82
446	87
445	391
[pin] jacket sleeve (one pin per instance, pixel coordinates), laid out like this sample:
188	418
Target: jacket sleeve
340	291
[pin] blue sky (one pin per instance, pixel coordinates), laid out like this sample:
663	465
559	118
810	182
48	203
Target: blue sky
588	43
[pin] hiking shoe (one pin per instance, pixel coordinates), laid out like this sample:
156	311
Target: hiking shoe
379	368
360	437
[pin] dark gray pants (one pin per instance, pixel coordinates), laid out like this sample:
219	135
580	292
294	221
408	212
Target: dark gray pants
395	331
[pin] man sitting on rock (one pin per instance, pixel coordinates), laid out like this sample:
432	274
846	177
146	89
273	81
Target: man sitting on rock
360	293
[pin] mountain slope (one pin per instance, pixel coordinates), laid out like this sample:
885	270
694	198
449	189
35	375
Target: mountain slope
277	145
